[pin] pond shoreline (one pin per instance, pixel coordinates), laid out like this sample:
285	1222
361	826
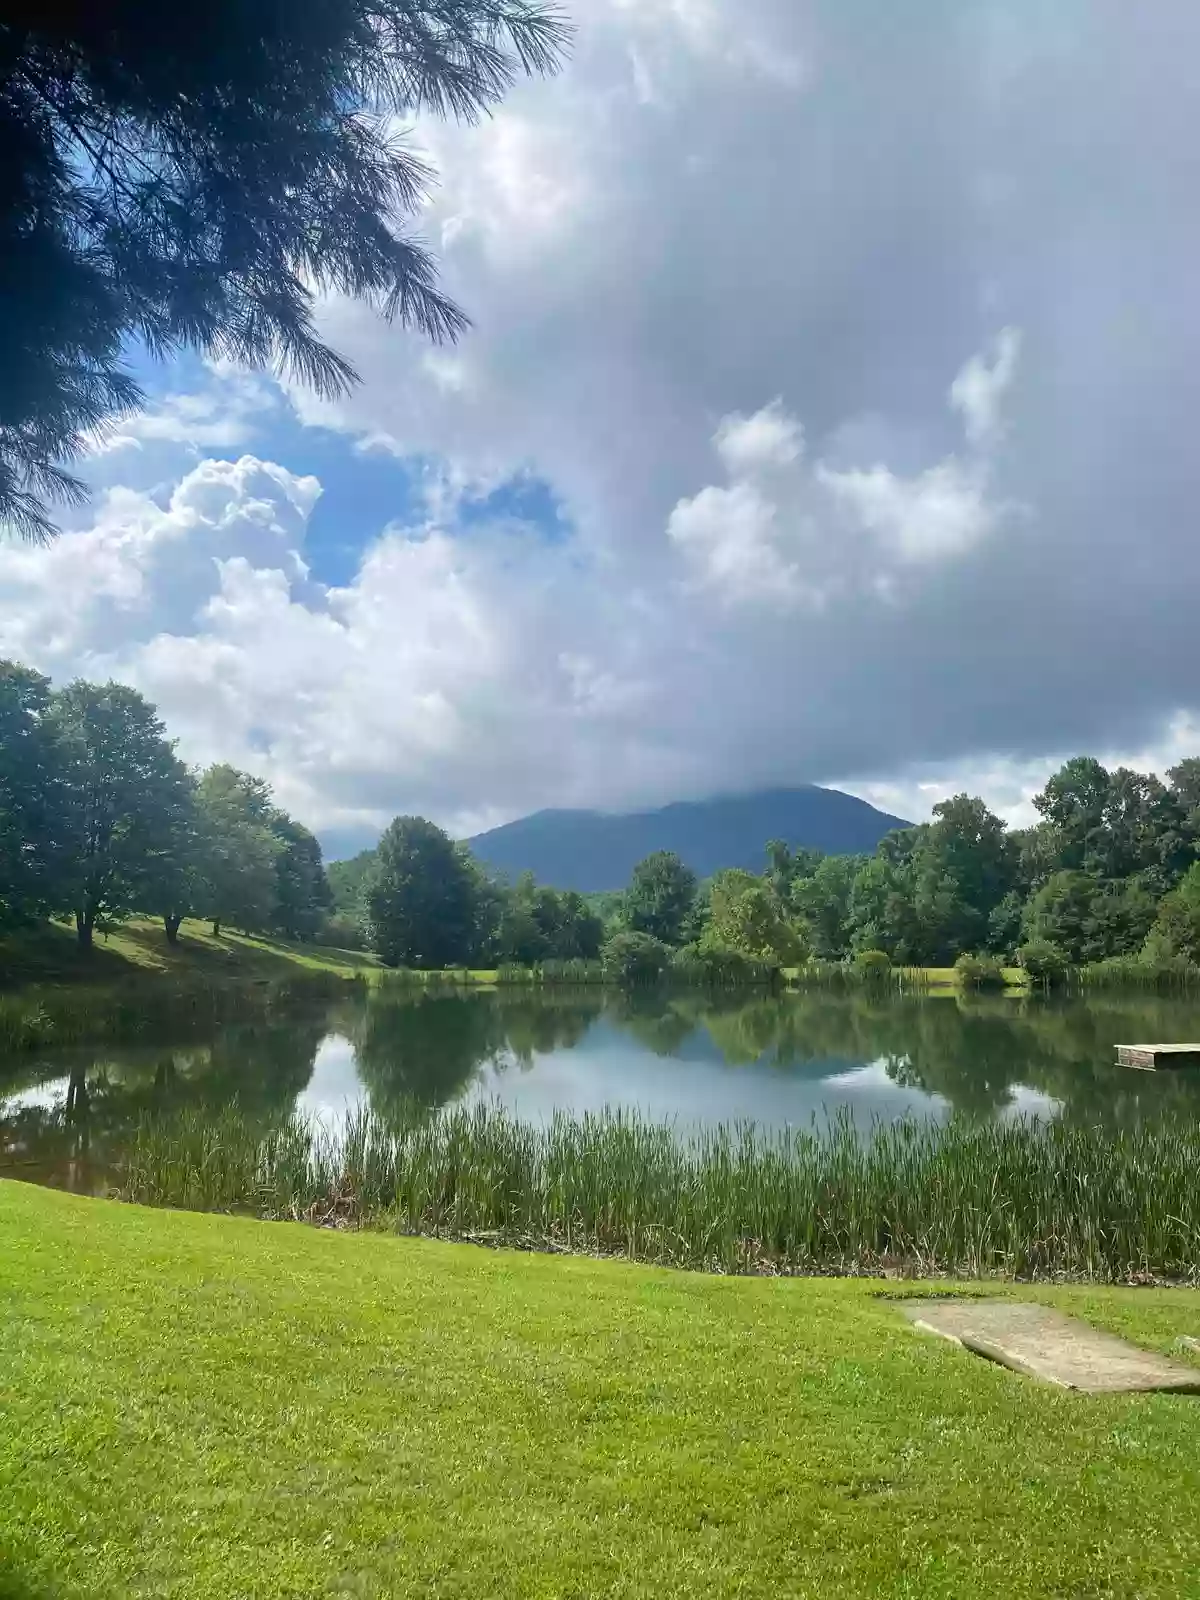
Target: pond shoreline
522	1244
1022	1200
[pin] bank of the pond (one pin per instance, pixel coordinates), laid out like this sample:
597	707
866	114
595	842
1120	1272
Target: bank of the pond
200	1406
1020	1198
136	986
137	950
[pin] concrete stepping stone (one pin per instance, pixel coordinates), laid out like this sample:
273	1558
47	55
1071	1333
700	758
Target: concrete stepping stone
1041	1342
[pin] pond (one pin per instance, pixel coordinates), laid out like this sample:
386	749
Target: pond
688	1058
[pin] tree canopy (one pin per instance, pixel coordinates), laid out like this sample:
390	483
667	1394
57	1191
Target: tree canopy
32	816
195	176
421	899
100	819
660	897
126	801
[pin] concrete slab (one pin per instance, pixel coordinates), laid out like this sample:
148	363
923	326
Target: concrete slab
1041	1342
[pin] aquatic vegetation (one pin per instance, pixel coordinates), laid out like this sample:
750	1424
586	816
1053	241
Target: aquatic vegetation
1022	1197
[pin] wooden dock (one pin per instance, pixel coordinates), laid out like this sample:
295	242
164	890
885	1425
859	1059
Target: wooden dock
1149	1057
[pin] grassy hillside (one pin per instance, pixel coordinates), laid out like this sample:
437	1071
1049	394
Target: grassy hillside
138	949
199	1406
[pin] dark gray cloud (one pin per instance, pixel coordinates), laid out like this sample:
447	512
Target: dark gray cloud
811	217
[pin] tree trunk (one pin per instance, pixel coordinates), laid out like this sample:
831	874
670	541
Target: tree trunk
77	1094
216	922
84	922
171	924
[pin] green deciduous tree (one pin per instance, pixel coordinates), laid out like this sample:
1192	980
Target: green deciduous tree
745	915
1185	786
660	897
633	959
422	897
32	821
1176	928
191	177
1074	802
1146	833
541	924
823	900
882	913
302	894
1089	920
126	802
963	867
1060	914
786	865
237	849
1004	924
347	880
179	881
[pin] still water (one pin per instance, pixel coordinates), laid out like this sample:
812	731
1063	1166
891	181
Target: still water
792	1060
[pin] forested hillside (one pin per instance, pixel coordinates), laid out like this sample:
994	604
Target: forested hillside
592	851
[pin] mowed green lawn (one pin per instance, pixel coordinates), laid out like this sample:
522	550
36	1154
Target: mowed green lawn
215	1408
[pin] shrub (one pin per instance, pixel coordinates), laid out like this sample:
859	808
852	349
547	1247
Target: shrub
979	972
631	959
873	966
718	967
1045	962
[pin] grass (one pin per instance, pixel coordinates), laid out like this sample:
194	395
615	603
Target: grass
138	949
947	978
1020	1198
141	988
201	1406
135	985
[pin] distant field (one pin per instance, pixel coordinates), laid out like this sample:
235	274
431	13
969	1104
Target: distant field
199	1406
946	978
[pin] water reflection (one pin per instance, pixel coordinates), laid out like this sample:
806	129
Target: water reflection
690	1057
64	1115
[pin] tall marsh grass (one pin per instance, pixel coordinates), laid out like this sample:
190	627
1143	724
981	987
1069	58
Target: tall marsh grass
843	977
1020	1198
1129	974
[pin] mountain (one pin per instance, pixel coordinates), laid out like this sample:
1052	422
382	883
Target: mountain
595	850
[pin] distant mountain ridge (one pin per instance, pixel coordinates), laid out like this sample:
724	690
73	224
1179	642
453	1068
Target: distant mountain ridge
594	851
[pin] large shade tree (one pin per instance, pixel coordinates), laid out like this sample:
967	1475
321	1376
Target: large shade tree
32	863
126	802
422	900
193	176
660	897
238	877
746	915
303	898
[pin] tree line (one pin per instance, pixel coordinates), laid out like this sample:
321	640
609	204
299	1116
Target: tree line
1110	870
422	900
100	820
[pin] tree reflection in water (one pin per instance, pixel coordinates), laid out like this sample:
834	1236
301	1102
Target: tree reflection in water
74	1109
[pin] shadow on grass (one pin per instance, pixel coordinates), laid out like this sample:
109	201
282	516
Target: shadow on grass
139	950
51	954
13	1586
